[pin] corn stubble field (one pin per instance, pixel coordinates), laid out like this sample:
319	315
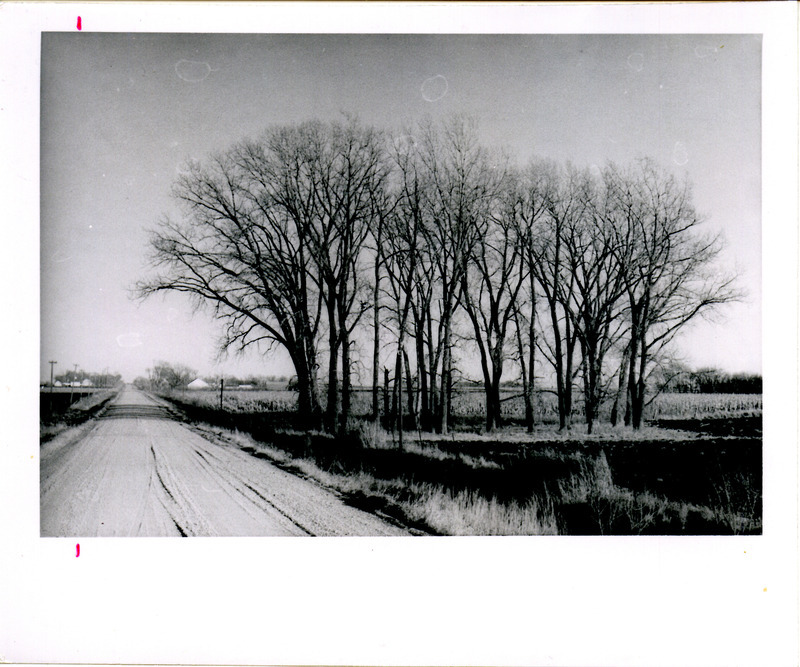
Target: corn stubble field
695	469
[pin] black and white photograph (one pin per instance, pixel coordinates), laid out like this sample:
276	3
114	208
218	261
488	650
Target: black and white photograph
400	284
494	293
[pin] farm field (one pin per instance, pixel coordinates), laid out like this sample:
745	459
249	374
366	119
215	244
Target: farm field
694	469
470	404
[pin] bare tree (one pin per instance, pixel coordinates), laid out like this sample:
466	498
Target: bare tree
294	237
589	244
273	239
377	232
168	376
403	252
491	286
329	179
669	273
412	277
240	250
551	206
527	206
525	336
350	171
457	195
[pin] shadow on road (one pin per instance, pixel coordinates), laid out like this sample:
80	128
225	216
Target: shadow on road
132	411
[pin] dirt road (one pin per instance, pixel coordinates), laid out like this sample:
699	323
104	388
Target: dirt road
138	472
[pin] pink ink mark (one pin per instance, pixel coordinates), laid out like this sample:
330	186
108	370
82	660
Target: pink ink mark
79	23
77	550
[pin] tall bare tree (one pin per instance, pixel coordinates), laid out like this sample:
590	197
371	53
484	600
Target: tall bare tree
527	204
457	196
240	251
589	245
350	173
290	239
491	287
405	253
669	267
273	239
329	179
551	208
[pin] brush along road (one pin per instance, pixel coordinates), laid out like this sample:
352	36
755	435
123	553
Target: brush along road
138	472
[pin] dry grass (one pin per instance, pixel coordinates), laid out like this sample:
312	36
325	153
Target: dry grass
733	495
446	513
613	505
602	432
606	508
468	513
52	426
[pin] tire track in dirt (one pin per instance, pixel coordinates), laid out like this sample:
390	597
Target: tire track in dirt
137	471
277	509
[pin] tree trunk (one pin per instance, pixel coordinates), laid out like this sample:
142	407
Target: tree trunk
386	393
308	408
410	390
376	307
526	395
433	361
587	401
632	374
344	415
495	405
530	401
487	388
591	381
445	387
304	400
398	393
424	417
530	415
568	371
559	368
638	399
488	406
622	386
376	339
331	408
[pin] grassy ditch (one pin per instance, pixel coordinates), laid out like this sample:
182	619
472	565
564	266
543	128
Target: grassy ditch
654	482
53	423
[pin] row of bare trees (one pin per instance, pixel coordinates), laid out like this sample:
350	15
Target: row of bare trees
294	238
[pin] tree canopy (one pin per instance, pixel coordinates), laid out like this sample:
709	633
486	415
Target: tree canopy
292	238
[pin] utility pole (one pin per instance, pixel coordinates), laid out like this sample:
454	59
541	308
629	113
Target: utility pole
221	385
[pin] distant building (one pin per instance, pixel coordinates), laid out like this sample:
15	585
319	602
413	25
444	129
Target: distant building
57	383
199	383
86	383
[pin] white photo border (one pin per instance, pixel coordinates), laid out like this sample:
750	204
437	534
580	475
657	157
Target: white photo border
388	601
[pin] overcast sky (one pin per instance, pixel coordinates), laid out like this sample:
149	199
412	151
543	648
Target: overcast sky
121	112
